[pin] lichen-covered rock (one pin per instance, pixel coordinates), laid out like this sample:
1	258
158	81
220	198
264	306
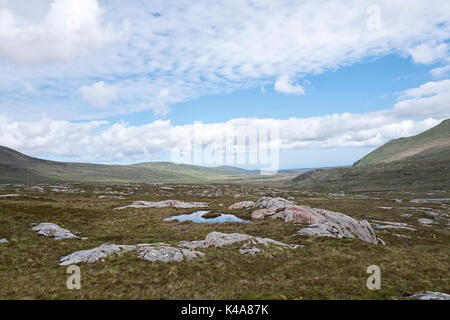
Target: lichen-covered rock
241	205
165	204
48	229
431	295
3	240
167	253
94	254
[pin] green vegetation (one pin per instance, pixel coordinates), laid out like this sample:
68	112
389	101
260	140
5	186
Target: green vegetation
323	269
401	175
431	144
18	168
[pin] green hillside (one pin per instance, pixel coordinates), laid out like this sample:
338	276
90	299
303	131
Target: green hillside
431	144
399	175
16	167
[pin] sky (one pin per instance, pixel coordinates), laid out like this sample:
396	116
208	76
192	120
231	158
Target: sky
110	81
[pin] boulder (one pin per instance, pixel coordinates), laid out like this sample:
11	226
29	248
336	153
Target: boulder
3	240
48	229
241	205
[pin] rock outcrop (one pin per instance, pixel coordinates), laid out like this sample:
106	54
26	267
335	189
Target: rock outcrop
95	254
322	223
165	204
166	253
251	244
170	253
48	229
151	252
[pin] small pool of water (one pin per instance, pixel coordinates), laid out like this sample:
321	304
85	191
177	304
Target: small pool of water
197	217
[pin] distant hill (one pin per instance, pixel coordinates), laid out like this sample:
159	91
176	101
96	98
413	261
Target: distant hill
16	167
431	144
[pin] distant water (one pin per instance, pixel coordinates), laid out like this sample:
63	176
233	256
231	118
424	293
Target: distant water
197	217
431	199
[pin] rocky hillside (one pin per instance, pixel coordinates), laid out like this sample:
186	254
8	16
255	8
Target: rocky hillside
431	144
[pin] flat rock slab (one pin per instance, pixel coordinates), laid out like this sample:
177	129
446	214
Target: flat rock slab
165	204
48	229
431	295
3	240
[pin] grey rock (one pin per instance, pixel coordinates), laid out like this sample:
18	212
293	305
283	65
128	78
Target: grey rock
339	225
432	215
193	244
3	240
406	215
425	222
431	295
94	254
48	229
165	204
167	253
218	239
274	204
251	245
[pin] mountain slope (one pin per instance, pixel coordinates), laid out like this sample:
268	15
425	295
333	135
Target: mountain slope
431	144
398	175
16	167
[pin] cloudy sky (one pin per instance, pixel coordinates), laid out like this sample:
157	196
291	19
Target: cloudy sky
116	81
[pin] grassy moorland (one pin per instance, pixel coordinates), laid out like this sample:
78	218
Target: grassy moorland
325	268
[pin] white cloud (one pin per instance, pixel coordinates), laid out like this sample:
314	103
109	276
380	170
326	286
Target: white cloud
441	71
284	85
99	94
105	142
71	29
195	49
431	99
428	53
